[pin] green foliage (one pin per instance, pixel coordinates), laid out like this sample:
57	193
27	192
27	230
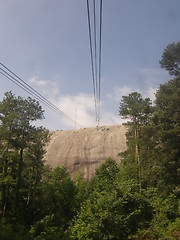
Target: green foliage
21	156
139	111
112	211
138	199
164	223
136	108
167	124
105	176
154	142
46	229
13	232
81	189
58	198
171	59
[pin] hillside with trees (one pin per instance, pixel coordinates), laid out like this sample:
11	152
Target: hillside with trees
136	199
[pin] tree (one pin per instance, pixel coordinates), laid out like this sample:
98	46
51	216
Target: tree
34	169
112	211
57	202
81	189
18	136
165	216
171	59
7	116
167	124
137	109
105	175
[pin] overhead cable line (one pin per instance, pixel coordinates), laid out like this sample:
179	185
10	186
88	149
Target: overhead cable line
29	89
100	46
91	53
95	64
94	6
6	72
12	79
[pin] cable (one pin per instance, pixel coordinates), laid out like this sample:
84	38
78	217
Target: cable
94	6
31	90
26	87
96	65
100	46
91	53
33	93
12	79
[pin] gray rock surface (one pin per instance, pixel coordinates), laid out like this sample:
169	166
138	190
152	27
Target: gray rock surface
85	149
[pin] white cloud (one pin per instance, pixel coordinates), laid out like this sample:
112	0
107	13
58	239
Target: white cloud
149	79
79	107
145	81
108	118
47	88
150	93
38	82
157	72
118	92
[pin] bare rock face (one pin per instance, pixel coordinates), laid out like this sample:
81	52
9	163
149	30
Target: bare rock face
85	149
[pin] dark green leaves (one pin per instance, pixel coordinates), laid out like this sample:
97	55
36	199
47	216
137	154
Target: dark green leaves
171	59
134	107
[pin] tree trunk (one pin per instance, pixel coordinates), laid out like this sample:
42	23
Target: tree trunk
5	187
4	190
19	173
137	154
5	193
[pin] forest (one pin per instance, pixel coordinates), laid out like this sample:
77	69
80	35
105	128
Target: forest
137	199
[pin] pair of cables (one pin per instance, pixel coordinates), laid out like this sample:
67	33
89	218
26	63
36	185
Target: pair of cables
95	53
6	72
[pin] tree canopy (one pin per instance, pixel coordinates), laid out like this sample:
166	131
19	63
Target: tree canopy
171	59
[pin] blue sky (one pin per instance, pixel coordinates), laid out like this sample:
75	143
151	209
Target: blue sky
46	43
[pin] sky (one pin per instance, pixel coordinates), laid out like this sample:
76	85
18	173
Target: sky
46	43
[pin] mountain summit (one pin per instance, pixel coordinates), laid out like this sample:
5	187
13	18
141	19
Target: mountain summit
85	149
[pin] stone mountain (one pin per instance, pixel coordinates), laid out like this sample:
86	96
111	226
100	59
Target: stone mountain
85	149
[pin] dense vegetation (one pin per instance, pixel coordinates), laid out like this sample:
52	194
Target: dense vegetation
139	199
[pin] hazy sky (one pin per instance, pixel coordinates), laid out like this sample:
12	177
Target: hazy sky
46	43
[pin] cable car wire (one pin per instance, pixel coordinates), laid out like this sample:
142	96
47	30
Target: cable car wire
26	87
95	64
91	53
95	51
100	47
